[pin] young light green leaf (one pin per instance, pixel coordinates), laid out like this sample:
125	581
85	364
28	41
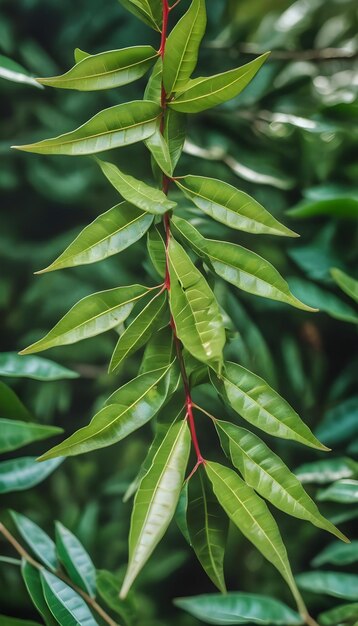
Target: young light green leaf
251	515
195	309
207	527
110	233
32	580
174	134
129	408
348	284
36	367
342	614
24	473
239	608
149	11
252	398
156	499
182	47
65	603
136	191
156	250
265	472
91	316
10	70
159	149
118	126
326	471
105	70
334	584
344	491
79	55
230	206
40	543
338	554
15	434
207	92
75	560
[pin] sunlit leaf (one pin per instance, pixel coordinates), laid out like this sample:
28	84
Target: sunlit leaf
65	603
10	70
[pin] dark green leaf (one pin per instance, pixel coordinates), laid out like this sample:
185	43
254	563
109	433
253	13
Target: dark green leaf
32	580
323	300
11	406
338	554
345	613
64	603
156	250
16	434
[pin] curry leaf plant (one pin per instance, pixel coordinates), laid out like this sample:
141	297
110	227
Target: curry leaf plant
179	321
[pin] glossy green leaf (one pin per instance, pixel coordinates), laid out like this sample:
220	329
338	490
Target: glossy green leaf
32	580
159	149
348	284
65	604
11	406
38	368
337	554
149	11
181	512
129	408
334	584
345	613
79	55
265	472
156	499
323	300
207	527
174	134
344	491
153	90
252	398
24	473
108	588
159	351
118	126
230	206
15	434
326	471
252	517
10	70
105	70
136	191
150	319
110	233
156	250
75	560
207	92
195	309
182	47
239	608
91	316
40	543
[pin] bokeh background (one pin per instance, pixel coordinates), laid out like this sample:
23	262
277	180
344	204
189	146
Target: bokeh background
290	140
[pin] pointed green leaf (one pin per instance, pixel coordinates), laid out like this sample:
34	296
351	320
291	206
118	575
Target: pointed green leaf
153	90
334	584
79	55
348	284
338	554
105	70
75	560
118	126
38	368
252	517
181	512
32	580
10	70
91	316
195	309
239	608
149	11
340	422
326	471
345	613
129	408
208	528
182	48
252	398
207	92
174	134
156	499
136	191
230	206
108	588
265	472
323	300
110	233
344	491
150	319
159	351
11	406
156	250
65	604
159	149
16	434
24	473
40	543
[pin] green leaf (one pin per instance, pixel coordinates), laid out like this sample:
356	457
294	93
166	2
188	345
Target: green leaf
118	126
159	149
323	300
75	560
105	70
16	434
159	351
338	554
156	250
195	310
346	283
13	621
341	207
64	603
207	92
150	319
10	405
333	584
326	471
108	588
91	316
149	11
239	608
174	134
340	422
344	491
136	191
79	55
129	408
252	398
182	47
10	70
153	90
230	206
24	473
40	543
32	580
38	368
207	528
181	512
265	472
252	517
156	499
345	613
110	233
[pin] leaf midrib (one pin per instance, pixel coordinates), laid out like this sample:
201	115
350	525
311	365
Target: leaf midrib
180	100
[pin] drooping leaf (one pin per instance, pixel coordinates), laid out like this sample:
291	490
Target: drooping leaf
32	580
149	11
10	70
252	398
338	554
91	316
156	499
118	126
336	584
65	603
348	284
344	491
75	559
239	608
105	70
38	368
11	406
182	47
156	250
207	92
110	233
323	300
24	473
345	613
40	543
174	134
326	471
15	434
